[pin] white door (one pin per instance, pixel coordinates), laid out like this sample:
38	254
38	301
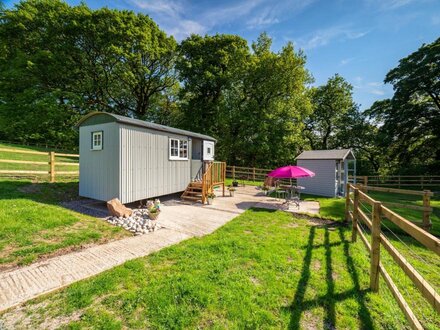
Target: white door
208	150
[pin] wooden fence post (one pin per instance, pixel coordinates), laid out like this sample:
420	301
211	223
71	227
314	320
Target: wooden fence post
233	172
52	166
347	202
426	214
253	173
375	247
398	178
355	215
366	184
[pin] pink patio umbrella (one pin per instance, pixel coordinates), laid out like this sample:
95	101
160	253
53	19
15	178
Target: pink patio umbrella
291	172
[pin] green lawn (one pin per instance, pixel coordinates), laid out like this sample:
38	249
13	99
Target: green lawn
228	182
264	269
334	208
33	224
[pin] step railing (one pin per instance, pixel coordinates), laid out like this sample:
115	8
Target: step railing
214	175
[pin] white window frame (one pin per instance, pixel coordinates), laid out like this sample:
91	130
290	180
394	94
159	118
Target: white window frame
181	146
99	146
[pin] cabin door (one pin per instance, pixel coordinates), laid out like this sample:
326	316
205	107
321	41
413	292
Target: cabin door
208	150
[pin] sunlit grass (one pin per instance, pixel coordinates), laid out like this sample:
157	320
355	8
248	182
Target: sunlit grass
264	269
33	224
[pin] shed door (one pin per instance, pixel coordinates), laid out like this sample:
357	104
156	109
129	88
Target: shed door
208	150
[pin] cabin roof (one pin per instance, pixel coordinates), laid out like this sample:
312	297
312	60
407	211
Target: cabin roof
338	154
145	124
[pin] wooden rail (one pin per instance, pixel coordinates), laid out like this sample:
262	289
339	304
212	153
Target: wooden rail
356	215
247	173
51	163
253	174
426	209
214	175
399	181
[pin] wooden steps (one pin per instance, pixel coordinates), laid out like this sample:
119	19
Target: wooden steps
193	192
214	174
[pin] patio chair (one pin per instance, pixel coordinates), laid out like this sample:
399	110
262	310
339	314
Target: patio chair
280	191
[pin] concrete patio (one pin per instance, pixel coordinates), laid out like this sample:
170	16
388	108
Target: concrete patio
179	221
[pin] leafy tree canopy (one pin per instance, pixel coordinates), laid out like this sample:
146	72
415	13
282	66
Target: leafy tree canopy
410	121
60	62
332	103
252	102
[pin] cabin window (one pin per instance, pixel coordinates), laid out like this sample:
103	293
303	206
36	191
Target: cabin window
97	140
178	149
183	150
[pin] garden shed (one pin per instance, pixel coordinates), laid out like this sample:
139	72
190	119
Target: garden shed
133	159
332	170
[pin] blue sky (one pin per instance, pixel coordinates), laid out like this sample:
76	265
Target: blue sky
359	39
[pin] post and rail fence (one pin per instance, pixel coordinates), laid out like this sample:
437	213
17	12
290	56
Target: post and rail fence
51	164
426	195
253	174
400	181
364	211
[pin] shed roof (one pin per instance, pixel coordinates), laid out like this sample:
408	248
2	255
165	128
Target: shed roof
327	154
146	124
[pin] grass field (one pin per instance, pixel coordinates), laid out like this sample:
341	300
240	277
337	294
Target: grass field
5	155
33	224
333	208
263	270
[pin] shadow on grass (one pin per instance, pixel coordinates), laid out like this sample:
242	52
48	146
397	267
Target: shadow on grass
41	192
329	300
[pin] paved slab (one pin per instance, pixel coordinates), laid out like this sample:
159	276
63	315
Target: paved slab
179	220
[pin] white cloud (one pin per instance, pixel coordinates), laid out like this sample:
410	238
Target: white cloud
169	8
390	4
372	87
171	17
182	18
324	37
185	28
345	61
265	18
273	12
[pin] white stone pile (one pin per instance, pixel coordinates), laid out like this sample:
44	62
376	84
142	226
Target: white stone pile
138	223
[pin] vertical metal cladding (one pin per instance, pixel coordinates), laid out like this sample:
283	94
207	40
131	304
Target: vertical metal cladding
99	169
145	168
324	183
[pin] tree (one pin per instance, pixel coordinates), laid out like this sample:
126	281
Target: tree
360	133
332	105
253	103
60	62
273	106
410	121
210	69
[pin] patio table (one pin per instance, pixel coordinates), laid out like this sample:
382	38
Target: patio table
293	189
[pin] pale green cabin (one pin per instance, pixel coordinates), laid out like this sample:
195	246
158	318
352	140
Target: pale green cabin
134	160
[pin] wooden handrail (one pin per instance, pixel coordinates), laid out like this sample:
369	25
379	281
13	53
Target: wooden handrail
215	174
